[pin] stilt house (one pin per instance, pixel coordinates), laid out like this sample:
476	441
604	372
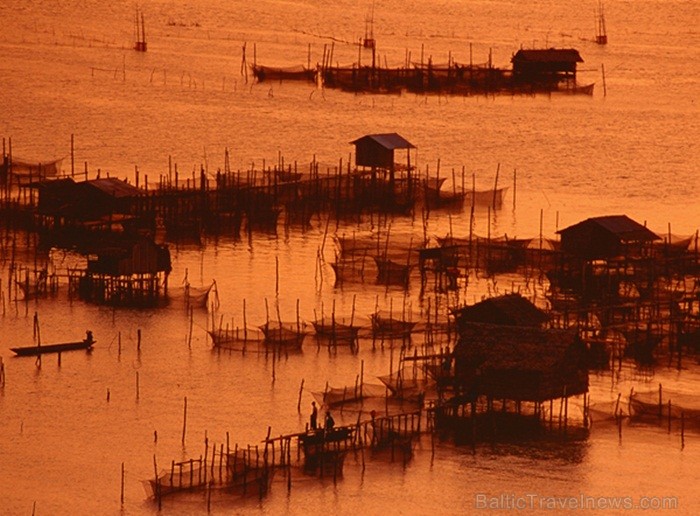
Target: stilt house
376	152
126	271
601	252
503	351
506	310
65	203
519	363
606	237
503	360
545	66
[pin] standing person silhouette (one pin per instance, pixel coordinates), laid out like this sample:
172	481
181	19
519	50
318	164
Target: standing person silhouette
330	422
314	416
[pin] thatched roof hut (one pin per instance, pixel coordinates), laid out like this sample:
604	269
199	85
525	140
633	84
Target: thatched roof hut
606	237
509	309
519	363
85	200
124	256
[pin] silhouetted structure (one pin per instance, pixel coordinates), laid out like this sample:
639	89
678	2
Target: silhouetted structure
606	237
545	68
506	310
125	271
385	188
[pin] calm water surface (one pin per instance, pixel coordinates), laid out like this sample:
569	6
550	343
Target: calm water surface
68	68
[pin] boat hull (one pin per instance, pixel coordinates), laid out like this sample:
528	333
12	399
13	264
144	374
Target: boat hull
52	348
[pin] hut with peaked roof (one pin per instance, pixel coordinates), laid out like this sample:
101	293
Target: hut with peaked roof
520	363
504	357
124	270
601	252
606	237
377	150
63	202
542	67
375	154
116	193
503	376
129	255
506	310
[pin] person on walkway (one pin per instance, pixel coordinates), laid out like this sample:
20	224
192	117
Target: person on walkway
330	422
314	416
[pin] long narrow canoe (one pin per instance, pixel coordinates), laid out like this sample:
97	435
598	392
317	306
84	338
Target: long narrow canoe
53	348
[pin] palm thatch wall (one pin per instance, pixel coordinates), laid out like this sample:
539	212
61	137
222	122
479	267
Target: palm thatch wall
519	363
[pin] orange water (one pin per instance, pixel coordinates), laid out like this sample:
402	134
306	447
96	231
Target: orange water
68	68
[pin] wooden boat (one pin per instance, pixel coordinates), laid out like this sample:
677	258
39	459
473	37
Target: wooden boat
248	472
434	183
284	334
312	440
289	73
486	197
349	270
439	199
335	330
578	89
355	245
441	258
236	338
334	396
27	351
383	326
436	198
287	176
390	272
325	450
262	217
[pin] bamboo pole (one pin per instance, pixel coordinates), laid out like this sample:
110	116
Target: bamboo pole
605	88
184	421
301	389
495	185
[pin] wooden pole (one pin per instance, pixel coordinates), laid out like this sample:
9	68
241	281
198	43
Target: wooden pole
495	186
189	336
277	276
605	89
301	389
682	430
362	375
156	489
184	421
